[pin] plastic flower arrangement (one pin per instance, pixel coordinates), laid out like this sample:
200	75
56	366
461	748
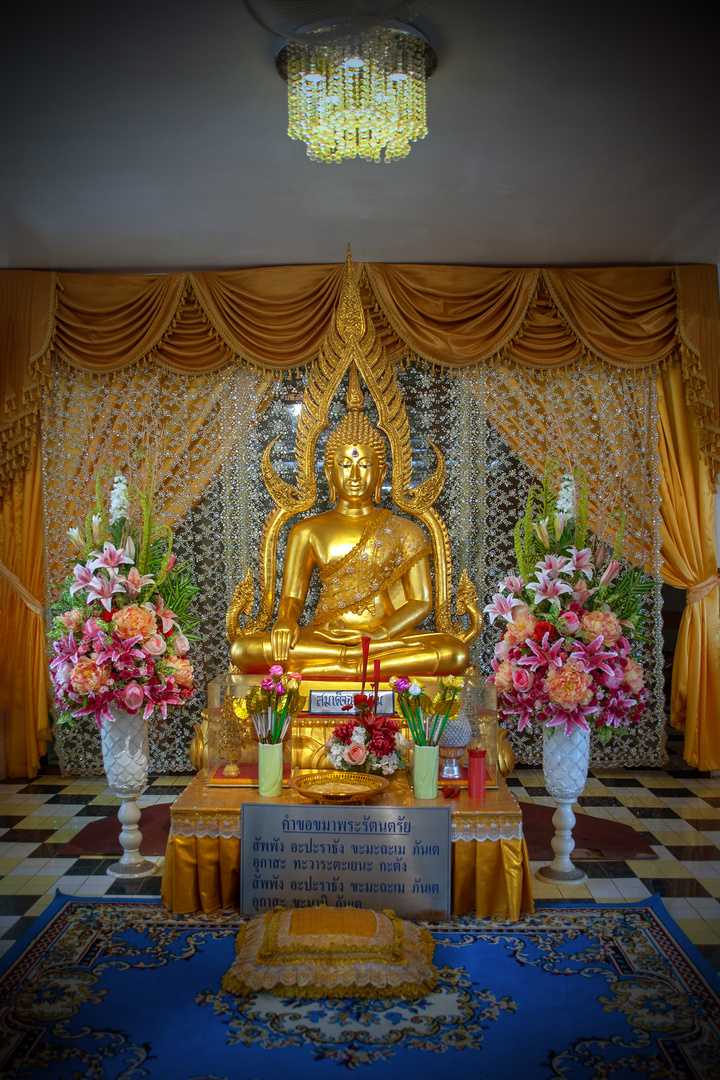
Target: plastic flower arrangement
426	718
272	705
368	743
117	636
565	657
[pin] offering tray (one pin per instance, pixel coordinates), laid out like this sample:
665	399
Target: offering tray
329	786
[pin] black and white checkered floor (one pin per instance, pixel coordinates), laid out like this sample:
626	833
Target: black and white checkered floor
677	810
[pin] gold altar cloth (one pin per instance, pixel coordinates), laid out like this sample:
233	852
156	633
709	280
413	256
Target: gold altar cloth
490	872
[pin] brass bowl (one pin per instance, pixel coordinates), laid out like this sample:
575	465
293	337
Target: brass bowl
338	787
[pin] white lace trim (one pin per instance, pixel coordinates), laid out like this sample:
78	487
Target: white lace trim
461	829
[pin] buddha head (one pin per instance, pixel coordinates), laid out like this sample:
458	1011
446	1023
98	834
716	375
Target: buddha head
356	452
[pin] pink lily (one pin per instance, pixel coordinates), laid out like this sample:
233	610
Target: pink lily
502	605
610	572
581	593
541	531
551	565
581	562
549	589
512	584
542	655
110	559
590	658
103	589
83	577
167	617
135	581
120	651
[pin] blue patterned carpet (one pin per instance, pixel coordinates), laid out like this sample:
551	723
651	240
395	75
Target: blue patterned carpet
123	990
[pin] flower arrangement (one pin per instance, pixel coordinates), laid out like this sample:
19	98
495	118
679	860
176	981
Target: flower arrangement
427	718
116	635
272	705
368	743
565	657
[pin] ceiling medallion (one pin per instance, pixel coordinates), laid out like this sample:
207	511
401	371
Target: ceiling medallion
361	94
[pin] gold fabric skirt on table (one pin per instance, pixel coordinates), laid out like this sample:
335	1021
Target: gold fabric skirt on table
489	876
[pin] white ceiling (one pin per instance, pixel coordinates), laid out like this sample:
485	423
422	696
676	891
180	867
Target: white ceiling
150	135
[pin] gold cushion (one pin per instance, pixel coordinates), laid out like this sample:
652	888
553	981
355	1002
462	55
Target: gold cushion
332	952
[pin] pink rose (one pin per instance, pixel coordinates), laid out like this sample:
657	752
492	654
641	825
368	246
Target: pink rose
268	684
155	645
181	645
502	650
276	670
91	629
634	676
522	679
133	620
296	676
400	684
88	677
132	697
72	620
568	623
354	754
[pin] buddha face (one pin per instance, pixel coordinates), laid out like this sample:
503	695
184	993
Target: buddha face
355	474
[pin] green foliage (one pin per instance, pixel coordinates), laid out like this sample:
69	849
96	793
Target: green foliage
581	508
624	596
178	592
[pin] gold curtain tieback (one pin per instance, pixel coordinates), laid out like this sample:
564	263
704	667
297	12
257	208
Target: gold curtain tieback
17	586
699	592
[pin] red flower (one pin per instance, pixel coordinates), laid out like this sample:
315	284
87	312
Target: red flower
543	628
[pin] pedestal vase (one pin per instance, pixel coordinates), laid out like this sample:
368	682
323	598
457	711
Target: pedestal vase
453	742
565	767
125	757
270	769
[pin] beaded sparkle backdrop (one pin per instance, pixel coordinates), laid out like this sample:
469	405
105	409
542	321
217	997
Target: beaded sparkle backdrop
494	426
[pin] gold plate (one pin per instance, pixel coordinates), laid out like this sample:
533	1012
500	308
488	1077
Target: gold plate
329	786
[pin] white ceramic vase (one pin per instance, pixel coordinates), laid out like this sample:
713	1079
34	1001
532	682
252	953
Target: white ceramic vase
565	767
125	757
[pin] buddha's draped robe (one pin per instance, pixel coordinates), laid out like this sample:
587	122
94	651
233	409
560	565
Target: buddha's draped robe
388	547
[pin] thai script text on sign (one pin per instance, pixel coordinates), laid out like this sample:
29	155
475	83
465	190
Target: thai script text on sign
352	856
332	702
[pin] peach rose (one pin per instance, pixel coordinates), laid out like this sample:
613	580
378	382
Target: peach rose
595	623
354	754
72	620
133	620
633	676
180	670
568	687
520	629
503	677
155	645
88	677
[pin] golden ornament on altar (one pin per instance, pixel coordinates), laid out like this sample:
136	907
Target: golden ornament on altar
374	565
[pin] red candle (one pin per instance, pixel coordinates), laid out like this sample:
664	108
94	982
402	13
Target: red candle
365	651
476	773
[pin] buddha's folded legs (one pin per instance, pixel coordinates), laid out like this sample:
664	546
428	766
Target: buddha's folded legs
420	654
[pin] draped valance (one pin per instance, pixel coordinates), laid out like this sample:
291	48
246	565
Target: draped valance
275	318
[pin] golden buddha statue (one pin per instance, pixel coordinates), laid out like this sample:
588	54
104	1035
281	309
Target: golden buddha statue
374	565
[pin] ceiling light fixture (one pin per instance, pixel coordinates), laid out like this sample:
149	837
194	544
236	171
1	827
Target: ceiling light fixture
360	94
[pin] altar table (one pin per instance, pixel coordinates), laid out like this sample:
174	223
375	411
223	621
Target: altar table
490	873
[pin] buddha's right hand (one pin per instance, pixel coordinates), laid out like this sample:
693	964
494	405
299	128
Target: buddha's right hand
283	638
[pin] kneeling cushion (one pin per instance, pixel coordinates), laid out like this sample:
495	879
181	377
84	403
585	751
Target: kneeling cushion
332	952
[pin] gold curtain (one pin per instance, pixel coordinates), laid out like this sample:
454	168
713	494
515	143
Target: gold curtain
690	563
24	683
275	318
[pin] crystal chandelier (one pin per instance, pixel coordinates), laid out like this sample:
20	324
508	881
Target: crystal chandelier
360	94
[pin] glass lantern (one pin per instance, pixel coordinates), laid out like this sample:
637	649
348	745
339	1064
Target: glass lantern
481	710
232	743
